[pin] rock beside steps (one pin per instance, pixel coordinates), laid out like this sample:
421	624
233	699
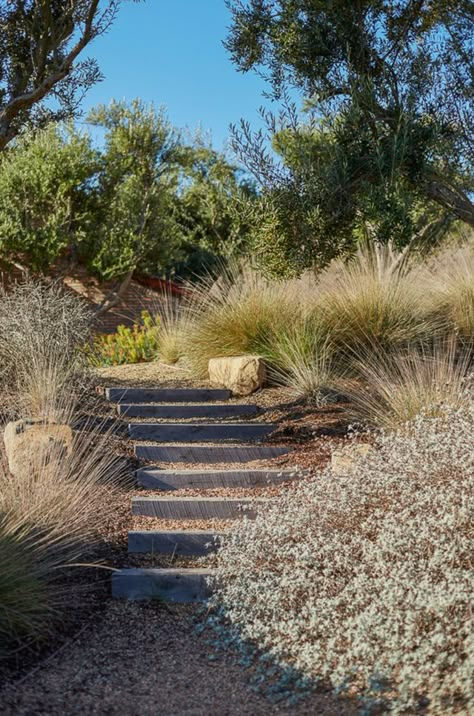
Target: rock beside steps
179	442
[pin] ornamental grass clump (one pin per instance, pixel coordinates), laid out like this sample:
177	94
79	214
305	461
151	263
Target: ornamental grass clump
175	319
235	315
42	328
363	580
25	609
450	291
395	387
303	358
50	519
375	297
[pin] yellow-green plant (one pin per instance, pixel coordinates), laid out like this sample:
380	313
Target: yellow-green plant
138	344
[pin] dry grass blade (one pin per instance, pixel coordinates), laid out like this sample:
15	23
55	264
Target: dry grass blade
450	285
395	388
41	328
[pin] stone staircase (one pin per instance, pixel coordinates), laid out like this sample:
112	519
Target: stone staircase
169	429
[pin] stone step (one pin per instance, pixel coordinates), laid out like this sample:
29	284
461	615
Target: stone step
195	508
184	411
153	478
169	585
186	543
166	395
209	454
199	432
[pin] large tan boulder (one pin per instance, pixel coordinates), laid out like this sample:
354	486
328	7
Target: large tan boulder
31	444
344	459
242	375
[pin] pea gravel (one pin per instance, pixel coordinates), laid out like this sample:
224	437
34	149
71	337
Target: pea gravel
147	660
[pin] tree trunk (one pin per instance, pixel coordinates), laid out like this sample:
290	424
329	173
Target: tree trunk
451	198
114	297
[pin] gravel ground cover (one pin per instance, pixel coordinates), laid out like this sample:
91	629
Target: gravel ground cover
125	658
147	660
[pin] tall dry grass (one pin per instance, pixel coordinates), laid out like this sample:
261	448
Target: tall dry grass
237	314
52	510
375	298
50	518
310	329
303	358
175	317
450	286
42	326
395	387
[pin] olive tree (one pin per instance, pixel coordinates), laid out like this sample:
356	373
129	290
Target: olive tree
41	42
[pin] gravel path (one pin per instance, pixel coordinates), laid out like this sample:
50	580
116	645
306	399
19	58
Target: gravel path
146	660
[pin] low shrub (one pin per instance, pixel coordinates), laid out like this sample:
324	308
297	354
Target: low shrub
363	579
138	344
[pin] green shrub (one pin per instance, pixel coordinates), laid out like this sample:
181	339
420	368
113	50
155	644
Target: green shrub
363	579
138	344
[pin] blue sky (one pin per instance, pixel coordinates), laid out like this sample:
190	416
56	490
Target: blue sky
170	52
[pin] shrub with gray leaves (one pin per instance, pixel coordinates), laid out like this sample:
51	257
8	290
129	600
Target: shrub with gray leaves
365	579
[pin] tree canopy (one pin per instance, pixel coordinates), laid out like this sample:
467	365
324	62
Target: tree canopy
386	142
144	200
40	48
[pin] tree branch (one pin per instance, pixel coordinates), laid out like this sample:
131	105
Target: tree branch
28	99
115	297
452	199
